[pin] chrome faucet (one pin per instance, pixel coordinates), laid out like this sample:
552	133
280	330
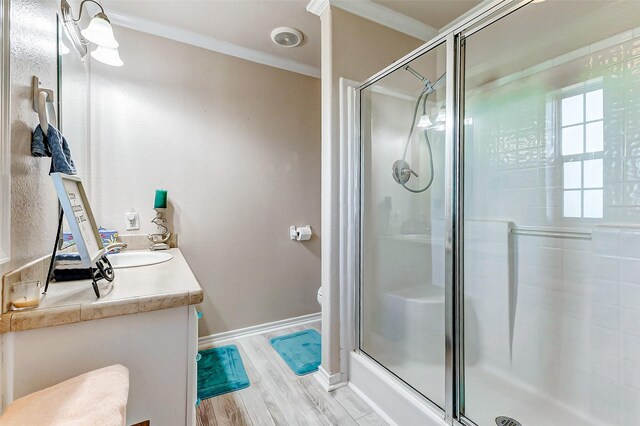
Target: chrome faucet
116	245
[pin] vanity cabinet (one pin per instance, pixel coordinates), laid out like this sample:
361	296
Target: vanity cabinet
145	320
159	349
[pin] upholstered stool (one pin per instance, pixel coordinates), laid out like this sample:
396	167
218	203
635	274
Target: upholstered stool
97	398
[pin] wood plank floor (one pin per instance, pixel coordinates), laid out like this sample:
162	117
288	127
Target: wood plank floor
277	396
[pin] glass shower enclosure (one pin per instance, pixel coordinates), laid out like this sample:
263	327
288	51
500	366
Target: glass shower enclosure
403	226
500	216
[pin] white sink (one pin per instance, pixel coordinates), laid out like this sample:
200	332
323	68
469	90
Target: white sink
138	258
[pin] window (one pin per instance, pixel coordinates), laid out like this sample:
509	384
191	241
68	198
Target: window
582	146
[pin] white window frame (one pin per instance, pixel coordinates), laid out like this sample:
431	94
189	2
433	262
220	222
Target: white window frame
583	89
5	149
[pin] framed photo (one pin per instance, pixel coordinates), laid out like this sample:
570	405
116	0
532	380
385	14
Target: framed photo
75	205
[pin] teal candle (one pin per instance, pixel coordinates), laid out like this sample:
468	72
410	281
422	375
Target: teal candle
161	199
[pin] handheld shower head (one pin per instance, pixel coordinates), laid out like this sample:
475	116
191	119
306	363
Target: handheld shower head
401	171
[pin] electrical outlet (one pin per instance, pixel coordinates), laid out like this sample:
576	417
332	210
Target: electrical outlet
132	221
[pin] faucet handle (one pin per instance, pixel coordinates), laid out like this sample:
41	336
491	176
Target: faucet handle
115	245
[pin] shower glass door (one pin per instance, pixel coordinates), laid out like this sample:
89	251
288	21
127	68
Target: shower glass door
402	308
552	215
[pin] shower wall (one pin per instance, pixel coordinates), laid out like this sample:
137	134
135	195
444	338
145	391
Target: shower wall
559	317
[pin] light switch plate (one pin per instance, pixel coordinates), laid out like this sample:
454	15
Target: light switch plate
132	221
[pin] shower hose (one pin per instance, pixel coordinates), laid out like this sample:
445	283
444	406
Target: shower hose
422	98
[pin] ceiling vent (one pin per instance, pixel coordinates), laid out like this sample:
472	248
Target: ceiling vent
286	37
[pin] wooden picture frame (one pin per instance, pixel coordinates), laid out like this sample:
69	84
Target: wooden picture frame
75	204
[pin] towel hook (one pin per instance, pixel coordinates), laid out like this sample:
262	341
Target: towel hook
40	98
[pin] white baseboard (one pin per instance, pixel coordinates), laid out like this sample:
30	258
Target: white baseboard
216	339
328	381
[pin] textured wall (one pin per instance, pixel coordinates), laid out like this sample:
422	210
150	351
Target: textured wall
33	199
33	203
237	146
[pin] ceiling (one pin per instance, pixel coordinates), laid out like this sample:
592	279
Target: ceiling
435	13
248	23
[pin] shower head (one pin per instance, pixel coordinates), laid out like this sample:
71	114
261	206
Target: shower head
401	170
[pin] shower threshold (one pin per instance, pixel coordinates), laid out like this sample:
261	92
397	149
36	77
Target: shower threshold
489	394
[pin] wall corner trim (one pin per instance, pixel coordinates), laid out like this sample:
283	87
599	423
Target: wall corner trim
330	382
211	43
387	17
317	6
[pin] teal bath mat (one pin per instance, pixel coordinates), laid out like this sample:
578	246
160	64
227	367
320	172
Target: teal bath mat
220	370
301	350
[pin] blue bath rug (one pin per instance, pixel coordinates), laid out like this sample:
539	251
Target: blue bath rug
220	371
301	350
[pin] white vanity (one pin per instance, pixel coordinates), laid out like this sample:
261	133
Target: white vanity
145	320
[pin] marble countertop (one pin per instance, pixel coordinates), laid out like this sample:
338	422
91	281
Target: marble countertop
134	290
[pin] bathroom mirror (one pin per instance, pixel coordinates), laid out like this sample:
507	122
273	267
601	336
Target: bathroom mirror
5	150
73	102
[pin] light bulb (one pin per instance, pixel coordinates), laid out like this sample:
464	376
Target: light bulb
424	122
100	32
107	56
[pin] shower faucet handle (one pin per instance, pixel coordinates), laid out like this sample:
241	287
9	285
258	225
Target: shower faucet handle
401	172
410	171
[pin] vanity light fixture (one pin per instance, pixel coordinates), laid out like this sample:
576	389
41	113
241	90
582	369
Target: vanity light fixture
107	55
98	32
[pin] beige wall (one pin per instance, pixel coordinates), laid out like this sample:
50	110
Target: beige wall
362	47
237	145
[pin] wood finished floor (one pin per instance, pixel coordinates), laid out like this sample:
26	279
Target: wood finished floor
277	396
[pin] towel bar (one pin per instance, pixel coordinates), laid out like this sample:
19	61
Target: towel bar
40	98
552	233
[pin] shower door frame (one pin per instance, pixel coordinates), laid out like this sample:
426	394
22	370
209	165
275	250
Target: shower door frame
454	39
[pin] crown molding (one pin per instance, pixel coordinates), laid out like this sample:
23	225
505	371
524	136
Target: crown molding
317	6
211	43
384	16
